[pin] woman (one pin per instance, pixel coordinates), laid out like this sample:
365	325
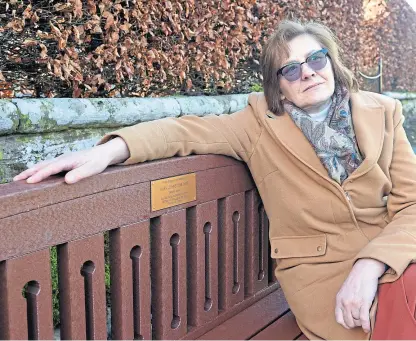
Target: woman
333	166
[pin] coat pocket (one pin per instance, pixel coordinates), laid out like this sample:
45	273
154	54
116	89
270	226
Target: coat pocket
298	246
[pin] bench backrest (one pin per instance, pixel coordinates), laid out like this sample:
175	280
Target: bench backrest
179	265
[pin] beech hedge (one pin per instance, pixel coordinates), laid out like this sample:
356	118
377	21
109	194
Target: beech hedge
120	48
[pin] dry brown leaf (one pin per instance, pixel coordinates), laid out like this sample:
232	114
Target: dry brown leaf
110	22
118	65
114	37
16	25
77	35
99	62
78	77
125	27
6	90
77	8
61	43
34	19
97	30
91	7
55	30
26	91
57	68
27	13
43	51
30	42
61	7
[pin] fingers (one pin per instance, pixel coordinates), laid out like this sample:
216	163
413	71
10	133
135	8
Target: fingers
339	317
353	317
354	299
348	319
365	318
32	170
81	164
84	171
355	314
51	169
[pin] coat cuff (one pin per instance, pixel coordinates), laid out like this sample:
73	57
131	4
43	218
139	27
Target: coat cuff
391	250
145	141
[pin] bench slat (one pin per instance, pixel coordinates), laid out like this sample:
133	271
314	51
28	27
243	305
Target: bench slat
130	282
285	328
82	289
202	262
15	323
254	318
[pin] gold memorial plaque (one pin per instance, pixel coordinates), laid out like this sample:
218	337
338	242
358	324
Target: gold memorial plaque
173	191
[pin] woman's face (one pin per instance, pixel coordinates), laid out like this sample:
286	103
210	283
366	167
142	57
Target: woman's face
313	88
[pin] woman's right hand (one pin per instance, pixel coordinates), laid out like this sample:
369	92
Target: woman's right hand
80	165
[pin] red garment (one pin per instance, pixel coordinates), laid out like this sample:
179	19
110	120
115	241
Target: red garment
396	311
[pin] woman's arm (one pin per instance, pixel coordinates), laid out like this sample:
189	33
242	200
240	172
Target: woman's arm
81	164
396	244
233	135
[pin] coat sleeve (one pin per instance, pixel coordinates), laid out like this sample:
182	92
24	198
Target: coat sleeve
396	244
233	135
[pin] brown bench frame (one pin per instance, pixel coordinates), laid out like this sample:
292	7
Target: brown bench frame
161	288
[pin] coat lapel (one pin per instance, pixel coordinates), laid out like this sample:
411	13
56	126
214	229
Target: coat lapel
292	138
369	124
368	121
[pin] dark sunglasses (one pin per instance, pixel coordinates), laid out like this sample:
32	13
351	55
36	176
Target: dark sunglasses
316	61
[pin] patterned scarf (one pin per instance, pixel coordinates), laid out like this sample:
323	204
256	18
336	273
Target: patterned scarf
333	139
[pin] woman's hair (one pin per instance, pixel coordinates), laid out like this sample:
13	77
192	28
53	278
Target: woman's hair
276	49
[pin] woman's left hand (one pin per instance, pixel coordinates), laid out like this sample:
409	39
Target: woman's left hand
354	300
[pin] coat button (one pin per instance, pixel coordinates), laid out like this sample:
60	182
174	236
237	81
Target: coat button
276	250
319	248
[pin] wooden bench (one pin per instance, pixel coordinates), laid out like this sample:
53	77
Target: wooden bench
181	267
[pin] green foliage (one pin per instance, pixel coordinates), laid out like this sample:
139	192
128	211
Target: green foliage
256	87
107	277
107	265
55	285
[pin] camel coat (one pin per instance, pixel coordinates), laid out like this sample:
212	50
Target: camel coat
318	229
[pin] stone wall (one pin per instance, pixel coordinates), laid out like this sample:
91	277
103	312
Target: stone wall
408	100
32	130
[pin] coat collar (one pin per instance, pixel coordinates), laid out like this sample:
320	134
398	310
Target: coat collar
368	122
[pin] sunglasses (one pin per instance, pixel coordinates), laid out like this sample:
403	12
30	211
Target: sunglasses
316	61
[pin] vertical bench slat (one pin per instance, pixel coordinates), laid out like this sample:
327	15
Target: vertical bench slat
82	289
168	267
257	239
130	310
29	318
202	256
231	250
